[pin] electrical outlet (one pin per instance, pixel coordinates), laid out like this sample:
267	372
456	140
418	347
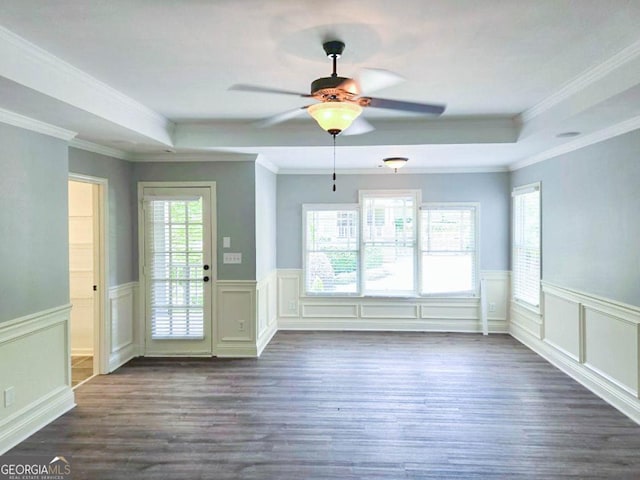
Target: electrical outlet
292	305
492	307
9	396
241	325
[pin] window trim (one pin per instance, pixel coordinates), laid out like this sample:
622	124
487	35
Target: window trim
475	293
417	198
314	207
521	190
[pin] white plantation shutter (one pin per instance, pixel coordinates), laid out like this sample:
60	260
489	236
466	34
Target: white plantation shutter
449	249
526	244
174	265
331	249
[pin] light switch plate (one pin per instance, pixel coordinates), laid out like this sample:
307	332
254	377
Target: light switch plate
232	258
226	242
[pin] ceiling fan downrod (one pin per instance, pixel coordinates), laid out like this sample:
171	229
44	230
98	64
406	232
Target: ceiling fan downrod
334	49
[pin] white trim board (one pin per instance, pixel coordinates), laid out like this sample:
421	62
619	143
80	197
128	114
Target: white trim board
28	123
100	149
583	80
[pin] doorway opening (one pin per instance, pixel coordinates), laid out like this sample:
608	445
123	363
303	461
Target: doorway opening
86	277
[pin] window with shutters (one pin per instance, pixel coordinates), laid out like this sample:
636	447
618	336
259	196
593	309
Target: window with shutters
449	257
331	249
526	244
389	242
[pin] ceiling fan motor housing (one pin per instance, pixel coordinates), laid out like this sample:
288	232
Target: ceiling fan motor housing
334	88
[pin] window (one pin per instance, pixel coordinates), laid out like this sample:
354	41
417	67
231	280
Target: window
448	249
347	224
331	249
389	241
526	244
382	247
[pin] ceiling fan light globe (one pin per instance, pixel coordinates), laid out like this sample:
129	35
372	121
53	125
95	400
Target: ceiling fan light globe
332	116
395	162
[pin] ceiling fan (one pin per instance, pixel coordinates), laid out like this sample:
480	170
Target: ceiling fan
341	99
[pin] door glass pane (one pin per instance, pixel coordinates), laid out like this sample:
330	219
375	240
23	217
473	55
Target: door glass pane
175	268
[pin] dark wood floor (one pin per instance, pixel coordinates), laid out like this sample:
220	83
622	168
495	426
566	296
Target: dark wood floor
345	406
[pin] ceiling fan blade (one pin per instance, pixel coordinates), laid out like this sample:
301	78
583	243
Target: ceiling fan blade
281	117
372	79
257	88
426	108
358	127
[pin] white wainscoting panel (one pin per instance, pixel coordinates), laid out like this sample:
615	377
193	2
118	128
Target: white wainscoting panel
236	318
592	339
562	324
389	310
125	343
300	312
35	353
267	316
289	289
328	310
611	347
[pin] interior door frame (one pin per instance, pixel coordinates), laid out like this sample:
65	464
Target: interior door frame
101	328
142	300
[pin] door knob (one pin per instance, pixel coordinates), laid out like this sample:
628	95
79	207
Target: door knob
206	279
206	267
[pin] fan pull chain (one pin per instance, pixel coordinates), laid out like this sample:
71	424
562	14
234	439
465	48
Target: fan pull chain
334	163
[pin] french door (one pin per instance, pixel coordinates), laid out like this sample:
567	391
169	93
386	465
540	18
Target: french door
178	269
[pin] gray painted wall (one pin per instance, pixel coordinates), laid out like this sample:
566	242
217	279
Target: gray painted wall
265	221
34	227
590	218
491	190
235	187
122	243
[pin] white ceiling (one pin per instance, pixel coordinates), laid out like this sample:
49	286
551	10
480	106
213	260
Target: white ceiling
146	76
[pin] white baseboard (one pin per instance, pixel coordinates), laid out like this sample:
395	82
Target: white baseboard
610	393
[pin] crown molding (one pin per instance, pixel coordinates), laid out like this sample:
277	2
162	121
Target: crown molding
28	123
581	142
35	68
386	170
101	149
582	81
193	157
261	160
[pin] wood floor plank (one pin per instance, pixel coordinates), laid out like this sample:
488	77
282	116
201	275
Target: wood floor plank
345	406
